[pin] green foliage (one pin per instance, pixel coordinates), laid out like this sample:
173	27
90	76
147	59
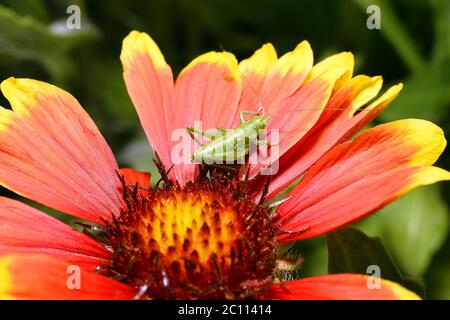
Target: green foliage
25	38
425	95
413	228
351	251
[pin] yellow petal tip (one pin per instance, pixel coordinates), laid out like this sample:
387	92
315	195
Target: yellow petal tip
137	42
334	67
430	175
400	292
5	281
299	60
223	58
260	62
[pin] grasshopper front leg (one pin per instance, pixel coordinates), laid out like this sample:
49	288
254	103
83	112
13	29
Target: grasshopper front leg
191	131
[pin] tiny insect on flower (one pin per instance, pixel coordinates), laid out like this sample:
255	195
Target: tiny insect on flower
230	146
203	231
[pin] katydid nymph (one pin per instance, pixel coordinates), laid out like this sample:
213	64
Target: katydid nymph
232	144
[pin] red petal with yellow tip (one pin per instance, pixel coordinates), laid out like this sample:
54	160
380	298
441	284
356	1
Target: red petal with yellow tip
254	71
270	84
286	76
358	177
37	277
207	90
52	152
149	82
293	113
337	122
340	287
24	229
269	81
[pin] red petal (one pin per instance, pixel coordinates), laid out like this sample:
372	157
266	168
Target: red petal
26	230
149	83
133	177
333	126
358	177
339	287
254	71
52	152
207	90
270	81
25	276
294	112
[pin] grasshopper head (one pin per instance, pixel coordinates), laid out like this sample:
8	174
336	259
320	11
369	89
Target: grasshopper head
261	121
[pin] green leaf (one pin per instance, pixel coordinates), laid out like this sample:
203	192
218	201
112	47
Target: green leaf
316	256
351	251
438	281
35	8
413	228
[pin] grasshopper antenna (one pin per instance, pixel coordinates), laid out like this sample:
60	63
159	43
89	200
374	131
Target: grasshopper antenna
356	110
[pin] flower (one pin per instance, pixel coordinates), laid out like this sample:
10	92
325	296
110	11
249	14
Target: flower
201	236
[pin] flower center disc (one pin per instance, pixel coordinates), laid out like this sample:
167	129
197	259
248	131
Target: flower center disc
202	241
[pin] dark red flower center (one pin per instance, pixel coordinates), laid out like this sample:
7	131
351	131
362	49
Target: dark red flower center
205	240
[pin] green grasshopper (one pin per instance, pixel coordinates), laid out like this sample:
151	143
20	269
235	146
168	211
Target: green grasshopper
230	145
233	145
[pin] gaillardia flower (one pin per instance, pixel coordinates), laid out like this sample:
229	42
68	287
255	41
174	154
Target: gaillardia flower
203	233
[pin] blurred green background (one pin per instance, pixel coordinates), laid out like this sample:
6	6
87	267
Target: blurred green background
413	46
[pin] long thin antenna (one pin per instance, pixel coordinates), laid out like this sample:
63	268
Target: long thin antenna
332	109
